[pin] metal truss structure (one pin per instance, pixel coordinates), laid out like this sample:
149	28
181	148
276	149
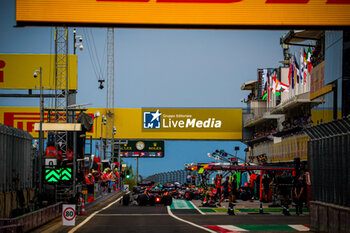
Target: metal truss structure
110	93
61	84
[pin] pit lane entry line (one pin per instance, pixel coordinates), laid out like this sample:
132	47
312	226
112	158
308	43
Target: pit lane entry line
197	208
188	222
93	214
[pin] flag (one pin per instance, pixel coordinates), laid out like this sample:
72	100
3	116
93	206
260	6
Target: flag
281	87
290	72
293	80
308	56
274	84
301	68
305	66
268	88
296	67
264	94
308	60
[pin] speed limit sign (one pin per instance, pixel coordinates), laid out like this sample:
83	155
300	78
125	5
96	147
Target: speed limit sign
68	215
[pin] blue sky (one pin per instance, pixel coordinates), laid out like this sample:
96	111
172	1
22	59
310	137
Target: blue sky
158	68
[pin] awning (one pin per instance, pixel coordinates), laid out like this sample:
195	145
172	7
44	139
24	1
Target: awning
298	36
250	85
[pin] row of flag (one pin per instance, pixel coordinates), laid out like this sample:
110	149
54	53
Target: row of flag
298	73
273	86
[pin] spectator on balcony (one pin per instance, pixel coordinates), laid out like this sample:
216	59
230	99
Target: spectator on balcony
295	122
309	121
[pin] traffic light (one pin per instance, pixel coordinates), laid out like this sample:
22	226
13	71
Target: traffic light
127	174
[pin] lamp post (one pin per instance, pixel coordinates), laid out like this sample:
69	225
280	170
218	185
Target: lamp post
103	122
41	142
75	37
41	146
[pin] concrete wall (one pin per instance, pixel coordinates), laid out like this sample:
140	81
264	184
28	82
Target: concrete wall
333	56
325	217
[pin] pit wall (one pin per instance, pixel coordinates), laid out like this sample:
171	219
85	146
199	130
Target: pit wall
325	217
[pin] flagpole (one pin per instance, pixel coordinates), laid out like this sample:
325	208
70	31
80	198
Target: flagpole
301	72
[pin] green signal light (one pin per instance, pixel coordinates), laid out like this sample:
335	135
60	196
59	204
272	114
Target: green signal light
52	175
127	176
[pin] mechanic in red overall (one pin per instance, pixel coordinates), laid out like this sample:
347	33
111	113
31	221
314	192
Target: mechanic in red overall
50	151
68	161
69	154
218	180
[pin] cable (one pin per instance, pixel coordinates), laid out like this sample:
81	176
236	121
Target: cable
90	52
97	58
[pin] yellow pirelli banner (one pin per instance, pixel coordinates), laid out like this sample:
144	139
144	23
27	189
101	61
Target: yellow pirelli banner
184	13
137	123
17	71
289	148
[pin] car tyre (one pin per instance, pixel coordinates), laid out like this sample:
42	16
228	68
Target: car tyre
142	200
126	199
152	200
167	200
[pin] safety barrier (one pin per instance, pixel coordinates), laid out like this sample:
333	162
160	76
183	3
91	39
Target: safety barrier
329	148
31	220
169	177
16	159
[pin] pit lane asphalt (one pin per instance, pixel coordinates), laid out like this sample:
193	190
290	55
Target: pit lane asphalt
139	219
147	219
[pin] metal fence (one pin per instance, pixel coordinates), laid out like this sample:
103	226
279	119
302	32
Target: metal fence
170	177
329	160
16	159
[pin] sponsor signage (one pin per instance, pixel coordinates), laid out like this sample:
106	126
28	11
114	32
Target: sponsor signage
137	123
16	71
25	118
317	86
262	158
263	80
184	13
187	120
142	149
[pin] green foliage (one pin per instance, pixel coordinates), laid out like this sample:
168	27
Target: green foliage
129	177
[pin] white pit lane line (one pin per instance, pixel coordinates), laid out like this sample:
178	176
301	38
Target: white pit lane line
188	222
197	208
94	213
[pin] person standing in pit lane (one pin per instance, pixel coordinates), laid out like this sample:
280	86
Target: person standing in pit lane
299	190
225	191
218	180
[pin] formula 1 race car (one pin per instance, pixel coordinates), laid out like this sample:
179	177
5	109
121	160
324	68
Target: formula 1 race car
145	194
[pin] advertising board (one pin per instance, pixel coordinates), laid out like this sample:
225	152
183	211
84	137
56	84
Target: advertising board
185	13
16	71
142	149
137	123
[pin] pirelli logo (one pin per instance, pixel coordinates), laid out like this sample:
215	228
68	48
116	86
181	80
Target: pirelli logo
189	13
22	120
25	120
232	1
